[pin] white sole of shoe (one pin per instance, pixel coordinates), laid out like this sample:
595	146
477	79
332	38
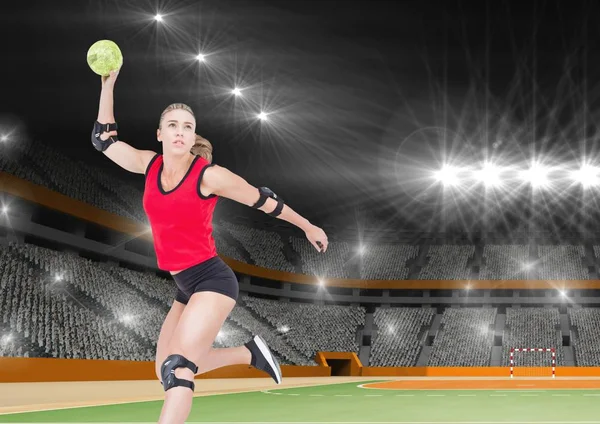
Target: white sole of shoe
267	354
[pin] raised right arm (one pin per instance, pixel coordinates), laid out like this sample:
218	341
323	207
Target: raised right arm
121	153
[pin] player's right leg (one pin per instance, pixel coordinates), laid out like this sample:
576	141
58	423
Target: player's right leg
167	330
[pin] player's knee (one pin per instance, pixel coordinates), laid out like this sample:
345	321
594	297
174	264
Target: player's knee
177	371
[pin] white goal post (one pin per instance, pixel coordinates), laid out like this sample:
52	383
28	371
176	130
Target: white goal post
528	371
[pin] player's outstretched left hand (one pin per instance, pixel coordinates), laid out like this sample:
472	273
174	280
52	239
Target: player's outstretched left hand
317	238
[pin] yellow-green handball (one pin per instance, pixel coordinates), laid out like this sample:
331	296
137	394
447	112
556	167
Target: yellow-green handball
104	56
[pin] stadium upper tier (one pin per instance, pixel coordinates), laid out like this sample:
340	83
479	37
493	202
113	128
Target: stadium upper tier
287	252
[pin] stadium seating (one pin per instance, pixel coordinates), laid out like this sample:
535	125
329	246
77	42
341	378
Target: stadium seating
532	328
586	333
265	247
562	262
505	262
313	263
387	262
311	328
399	335
447	262
465	338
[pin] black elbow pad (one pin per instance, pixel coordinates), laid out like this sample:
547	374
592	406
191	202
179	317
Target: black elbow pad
265	193
99	129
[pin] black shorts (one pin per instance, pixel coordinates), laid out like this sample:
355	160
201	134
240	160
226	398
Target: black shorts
212	275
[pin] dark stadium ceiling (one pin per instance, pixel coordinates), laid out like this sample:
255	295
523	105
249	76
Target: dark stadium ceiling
365	98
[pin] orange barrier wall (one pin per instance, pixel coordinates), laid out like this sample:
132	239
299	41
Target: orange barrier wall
471	372
50	369
51	199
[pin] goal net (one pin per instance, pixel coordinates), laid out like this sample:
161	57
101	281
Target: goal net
532	362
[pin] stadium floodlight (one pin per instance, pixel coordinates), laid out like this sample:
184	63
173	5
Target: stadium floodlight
201	57
158	17
236	92
262	116
448	175
537	176
586	176
489	175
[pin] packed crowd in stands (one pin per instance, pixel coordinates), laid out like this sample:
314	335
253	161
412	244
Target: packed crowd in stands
447	262
562	262
532	328
465	339
400	333
264	247
332	265
72	307
310	327
585	335
387	262
505	262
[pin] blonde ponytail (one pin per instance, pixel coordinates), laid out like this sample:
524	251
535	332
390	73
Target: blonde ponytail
202	147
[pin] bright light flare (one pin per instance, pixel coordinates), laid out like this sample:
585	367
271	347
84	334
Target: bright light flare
489	175
537	176
262	116
448	175
3	138
158	17
201	57
236	92
586	176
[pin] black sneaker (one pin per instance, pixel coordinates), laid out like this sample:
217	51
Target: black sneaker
263	359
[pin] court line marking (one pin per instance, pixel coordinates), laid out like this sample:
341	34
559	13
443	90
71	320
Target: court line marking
520	391
162	399
336	422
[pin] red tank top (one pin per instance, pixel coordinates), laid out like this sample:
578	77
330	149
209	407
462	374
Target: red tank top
181	219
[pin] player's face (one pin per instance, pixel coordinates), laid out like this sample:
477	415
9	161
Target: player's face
177	132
